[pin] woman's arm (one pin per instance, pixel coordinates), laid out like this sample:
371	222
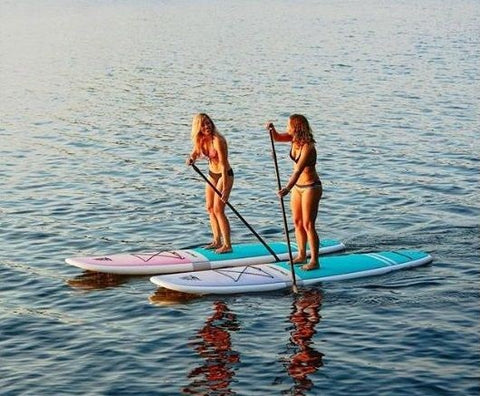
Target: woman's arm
278	137
192	157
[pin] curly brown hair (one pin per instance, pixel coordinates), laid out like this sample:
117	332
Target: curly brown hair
302	133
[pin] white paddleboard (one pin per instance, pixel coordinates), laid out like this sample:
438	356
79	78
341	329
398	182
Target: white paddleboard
198	259
276	276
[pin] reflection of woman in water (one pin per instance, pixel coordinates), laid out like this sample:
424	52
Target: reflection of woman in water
306	360
213	343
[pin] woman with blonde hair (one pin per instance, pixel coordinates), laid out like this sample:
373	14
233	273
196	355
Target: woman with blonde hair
305	185
211	144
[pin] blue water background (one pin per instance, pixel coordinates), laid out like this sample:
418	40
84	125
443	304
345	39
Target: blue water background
96	103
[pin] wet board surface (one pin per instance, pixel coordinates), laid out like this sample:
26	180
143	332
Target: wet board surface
198	259
277	276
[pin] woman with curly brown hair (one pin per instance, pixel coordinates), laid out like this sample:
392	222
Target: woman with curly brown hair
305	185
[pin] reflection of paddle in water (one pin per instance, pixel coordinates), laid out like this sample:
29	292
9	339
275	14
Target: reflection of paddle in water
213	344
305	360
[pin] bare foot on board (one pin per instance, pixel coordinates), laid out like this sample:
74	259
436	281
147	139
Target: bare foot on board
224	249
213	245
310	266
299	260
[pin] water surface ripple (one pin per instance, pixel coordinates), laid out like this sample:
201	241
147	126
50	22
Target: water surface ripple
96	104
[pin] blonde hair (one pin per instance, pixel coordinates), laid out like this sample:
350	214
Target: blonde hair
197	137
302	132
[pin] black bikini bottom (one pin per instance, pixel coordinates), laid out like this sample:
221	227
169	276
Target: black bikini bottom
216	176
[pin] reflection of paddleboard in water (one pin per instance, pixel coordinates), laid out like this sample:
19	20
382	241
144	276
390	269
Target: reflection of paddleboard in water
276	276
191	259
163	297
96	280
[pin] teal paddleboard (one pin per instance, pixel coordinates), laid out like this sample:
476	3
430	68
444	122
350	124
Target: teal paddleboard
277	276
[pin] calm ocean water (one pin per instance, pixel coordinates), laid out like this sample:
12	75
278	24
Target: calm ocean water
96	104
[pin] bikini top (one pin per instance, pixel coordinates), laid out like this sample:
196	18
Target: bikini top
292	157
210	153
311	163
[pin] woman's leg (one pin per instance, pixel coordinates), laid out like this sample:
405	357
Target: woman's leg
311	199
209	203
222	220
300	234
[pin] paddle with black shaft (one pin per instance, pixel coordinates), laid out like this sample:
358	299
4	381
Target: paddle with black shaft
282	204
238	214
